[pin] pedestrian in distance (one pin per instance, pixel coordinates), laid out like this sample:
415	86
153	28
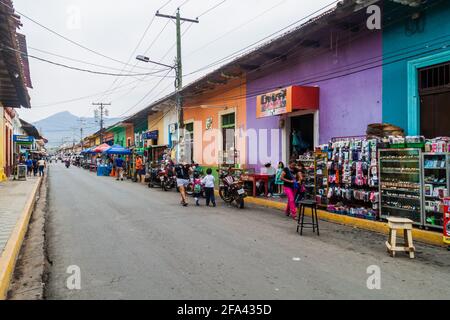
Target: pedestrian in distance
41	166
182	172
197	184
35	167
29	164
119	168
290	178
208	182
139	168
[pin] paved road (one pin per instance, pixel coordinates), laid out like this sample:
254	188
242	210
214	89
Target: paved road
131	242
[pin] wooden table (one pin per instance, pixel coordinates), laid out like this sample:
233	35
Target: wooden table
253	178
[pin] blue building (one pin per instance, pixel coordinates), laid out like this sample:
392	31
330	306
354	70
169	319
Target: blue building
416	66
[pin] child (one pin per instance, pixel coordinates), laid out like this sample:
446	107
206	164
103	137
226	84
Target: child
279	183
208	182
197	187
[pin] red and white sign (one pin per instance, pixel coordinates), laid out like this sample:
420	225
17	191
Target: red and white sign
447	220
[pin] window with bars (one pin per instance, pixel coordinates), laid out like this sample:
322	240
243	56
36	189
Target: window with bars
435	77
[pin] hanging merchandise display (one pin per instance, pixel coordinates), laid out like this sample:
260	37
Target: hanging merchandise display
447	221
321	178
436	177
308	161
353	177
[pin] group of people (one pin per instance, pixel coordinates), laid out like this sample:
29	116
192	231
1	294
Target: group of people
183	174
288	181
35	166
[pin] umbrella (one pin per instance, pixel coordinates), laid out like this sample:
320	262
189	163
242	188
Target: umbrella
101	148
116	149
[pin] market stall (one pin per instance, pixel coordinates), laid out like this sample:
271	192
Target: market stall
381	175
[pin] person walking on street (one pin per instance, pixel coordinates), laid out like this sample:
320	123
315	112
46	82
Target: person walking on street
139	169
41	165
182	172
208	182
290	178
119	168
29	164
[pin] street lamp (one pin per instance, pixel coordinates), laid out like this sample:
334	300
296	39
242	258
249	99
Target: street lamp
147	60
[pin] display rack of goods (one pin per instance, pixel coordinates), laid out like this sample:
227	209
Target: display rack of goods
321	178
308	161
436	180
353	178
401	192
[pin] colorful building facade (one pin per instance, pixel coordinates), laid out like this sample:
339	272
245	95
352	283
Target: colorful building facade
412	46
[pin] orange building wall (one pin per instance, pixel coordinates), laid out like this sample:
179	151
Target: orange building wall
200	108
130	134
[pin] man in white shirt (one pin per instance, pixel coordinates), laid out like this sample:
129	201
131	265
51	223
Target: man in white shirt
41	165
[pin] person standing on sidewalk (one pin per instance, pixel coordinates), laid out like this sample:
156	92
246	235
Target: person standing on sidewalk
290	178
35	166
41	165
29	164
139	168
208	182
182	172
119	168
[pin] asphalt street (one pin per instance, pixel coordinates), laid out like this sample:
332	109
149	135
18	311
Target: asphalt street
131	242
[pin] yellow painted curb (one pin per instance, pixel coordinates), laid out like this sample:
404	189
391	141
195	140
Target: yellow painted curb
11	252
429	237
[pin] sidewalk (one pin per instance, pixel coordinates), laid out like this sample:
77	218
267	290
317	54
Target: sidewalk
430	237
16	204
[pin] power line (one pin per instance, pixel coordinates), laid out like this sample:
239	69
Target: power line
250	47
212	8
82	69
62	36
236	28
77	60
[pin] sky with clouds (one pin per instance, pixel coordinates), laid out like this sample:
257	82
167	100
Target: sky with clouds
113	29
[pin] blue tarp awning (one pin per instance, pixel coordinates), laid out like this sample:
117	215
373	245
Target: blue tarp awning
88	151
118	150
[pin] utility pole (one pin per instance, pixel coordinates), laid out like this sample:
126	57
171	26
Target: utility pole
81	121
102	112
178	69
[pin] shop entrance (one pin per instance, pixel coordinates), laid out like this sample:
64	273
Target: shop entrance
434	89
301	135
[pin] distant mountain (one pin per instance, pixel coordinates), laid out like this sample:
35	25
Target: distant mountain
64	126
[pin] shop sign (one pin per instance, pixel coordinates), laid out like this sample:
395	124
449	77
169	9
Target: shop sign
173	128
151	135
272	104
22	139
287	100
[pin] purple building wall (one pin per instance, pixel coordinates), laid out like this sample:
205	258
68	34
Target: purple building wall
349	99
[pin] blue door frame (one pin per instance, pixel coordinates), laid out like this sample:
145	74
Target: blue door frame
413	87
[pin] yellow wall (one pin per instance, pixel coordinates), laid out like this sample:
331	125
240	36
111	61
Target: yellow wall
156	122
213	105
2	145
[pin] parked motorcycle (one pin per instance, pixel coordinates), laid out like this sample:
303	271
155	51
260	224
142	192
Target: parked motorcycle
168	179
230	189
163	177
67	164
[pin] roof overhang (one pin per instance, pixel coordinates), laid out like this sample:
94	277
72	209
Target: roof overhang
14	70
